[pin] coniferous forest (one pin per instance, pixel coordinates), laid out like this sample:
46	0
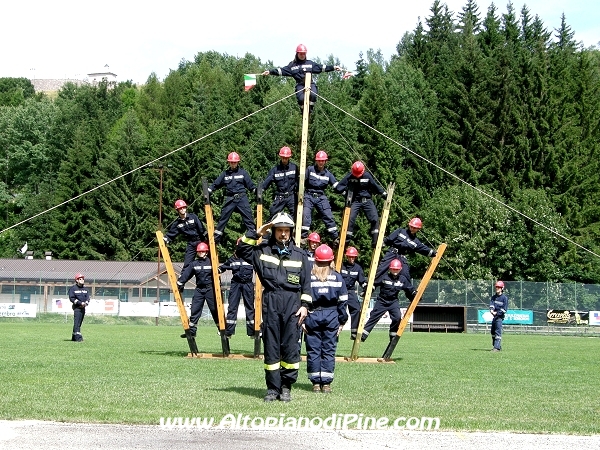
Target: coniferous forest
487	122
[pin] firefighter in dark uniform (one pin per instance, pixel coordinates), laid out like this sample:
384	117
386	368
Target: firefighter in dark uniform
402	242
297	69
362	186
353	273
236	182
241	286
285	176
317	180
189	226
80	298
498	308
326	318
205	290
284	272
312	242
390	284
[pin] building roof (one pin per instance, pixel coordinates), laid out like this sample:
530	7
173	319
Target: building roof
61	271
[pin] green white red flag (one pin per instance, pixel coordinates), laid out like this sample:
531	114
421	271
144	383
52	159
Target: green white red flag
249	81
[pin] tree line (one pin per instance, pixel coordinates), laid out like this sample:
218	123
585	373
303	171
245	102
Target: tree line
472	103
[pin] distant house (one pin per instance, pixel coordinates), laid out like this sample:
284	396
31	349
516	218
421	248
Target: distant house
98	77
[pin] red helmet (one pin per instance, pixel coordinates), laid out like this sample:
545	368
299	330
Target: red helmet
396	265
321	156
233	157
301	48
202	247
180	204
314	237
351	251
323	253
79	275
415	222
358	168
499	284
285	152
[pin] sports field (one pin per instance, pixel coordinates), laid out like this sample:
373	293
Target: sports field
133	372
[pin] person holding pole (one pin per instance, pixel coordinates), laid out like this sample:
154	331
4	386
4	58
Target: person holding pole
241	286
297	69
402	242
205	289
188	225
317	180
284	271
327	316
352	272
80	298
498	308
362	186
390	284
285	176
236	182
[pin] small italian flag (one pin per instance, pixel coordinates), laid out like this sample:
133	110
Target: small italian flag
249	81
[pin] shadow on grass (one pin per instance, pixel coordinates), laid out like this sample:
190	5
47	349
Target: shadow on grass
179	354
247	391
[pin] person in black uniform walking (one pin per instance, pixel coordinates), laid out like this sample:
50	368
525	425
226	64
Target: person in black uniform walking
285	176
390	284
402	242
362	186
326	318
189	226
80	298
241	286
236	182
284	272
317	180
498	308
297	69
352	272
205	289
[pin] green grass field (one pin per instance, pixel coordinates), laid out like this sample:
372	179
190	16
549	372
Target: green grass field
134	372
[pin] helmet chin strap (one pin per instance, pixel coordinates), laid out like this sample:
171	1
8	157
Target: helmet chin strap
282	246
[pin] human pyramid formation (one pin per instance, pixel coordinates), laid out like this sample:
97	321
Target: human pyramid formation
302	289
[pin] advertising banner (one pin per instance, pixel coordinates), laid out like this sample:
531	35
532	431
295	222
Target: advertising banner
565	316
594	318
139	309
512	316
169	309
17	310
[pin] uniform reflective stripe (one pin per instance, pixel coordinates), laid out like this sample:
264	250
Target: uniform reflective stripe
335	184
306	298
326	283
343	298
231	321
292	263
332	229
218	232
247	240
326	374
274	366
313	374
279	71
287	365
269	258
365	332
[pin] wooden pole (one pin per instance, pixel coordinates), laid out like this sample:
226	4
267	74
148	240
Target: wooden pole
302	162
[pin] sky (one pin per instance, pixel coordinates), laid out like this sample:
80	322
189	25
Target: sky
69	39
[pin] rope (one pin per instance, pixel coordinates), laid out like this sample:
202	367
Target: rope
144	165
456	177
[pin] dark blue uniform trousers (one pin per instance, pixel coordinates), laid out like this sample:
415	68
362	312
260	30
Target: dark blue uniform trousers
201	295
497	332
280	333
384	264
381	307
240	289
281	202
370	210
354	311
78	315
321	343
321	204
242	206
